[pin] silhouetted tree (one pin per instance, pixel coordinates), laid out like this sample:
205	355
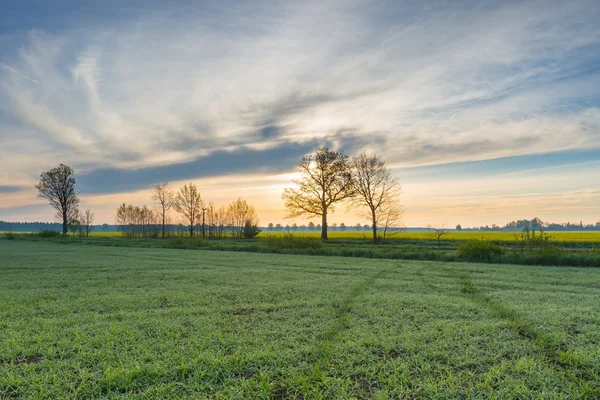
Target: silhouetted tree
239	213
436	232
58	186
164	198
326	180
377	189
87	222
188	203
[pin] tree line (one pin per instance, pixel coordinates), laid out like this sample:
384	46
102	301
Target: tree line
238	219
327	180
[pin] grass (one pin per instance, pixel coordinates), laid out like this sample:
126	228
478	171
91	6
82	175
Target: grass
455	236
575	254
111	322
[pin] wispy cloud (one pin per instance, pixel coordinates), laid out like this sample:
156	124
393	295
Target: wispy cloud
165	88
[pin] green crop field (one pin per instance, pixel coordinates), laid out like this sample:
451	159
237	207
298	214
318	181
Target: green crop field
111	322
495	236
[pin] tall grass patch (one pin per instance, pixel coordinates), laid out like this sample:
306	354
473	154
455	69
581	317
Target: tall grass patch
291	241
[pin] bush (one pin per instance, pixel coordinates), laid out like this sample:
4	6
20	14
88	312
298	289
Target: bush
250	230
289	241
48	233
10	235
479	250
537	243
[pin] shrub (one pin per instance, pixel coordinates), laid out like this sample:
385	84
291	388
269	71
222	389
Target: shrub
537	243
479	250
289	241
48	233
250	230
10	235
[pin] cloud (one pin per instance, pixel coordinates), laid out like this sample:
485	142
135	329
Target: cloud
136	92
218	163
10	189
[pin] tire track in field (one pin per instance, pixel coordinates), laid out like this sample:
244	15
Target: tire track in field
341	314
552	353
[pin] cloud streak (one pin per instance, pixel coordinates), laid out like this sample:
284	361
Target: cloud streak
186	91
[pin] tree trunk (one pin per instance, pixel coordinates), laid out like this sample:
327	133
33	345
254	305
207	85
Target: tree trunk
65	223
374	226
163	224
191	229
324	224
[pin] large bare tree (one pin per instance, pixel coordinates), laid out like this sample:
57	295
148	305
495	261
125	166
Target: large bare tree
326	180
164	198
58	186
377	191
189	204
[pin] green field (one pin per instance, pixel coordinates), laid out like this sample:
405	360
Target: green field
454	236
495	236
110	322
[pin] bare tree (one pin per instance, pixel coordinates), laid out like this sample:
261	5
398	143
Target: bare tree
377	189
326	180
164	198
87	222
240	213
135	221
437	231
389	218
216	221
58	186
189	203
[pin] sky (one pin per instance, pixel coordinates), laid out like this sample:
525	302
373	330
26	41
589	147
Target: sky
486	111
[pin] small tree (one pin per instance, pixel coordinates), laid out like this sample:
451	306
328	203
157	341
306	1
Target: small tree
239	213
87	222
436	232
58	186
326	180
377	189
188	203
74	224
164	198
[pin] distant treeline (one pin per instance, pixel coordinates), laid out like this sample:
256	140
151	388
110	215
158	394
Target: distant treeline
537	224
52	226
513	226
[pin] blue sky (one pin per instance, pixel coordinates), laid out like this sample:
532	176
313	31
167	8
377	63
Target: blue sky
486	111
